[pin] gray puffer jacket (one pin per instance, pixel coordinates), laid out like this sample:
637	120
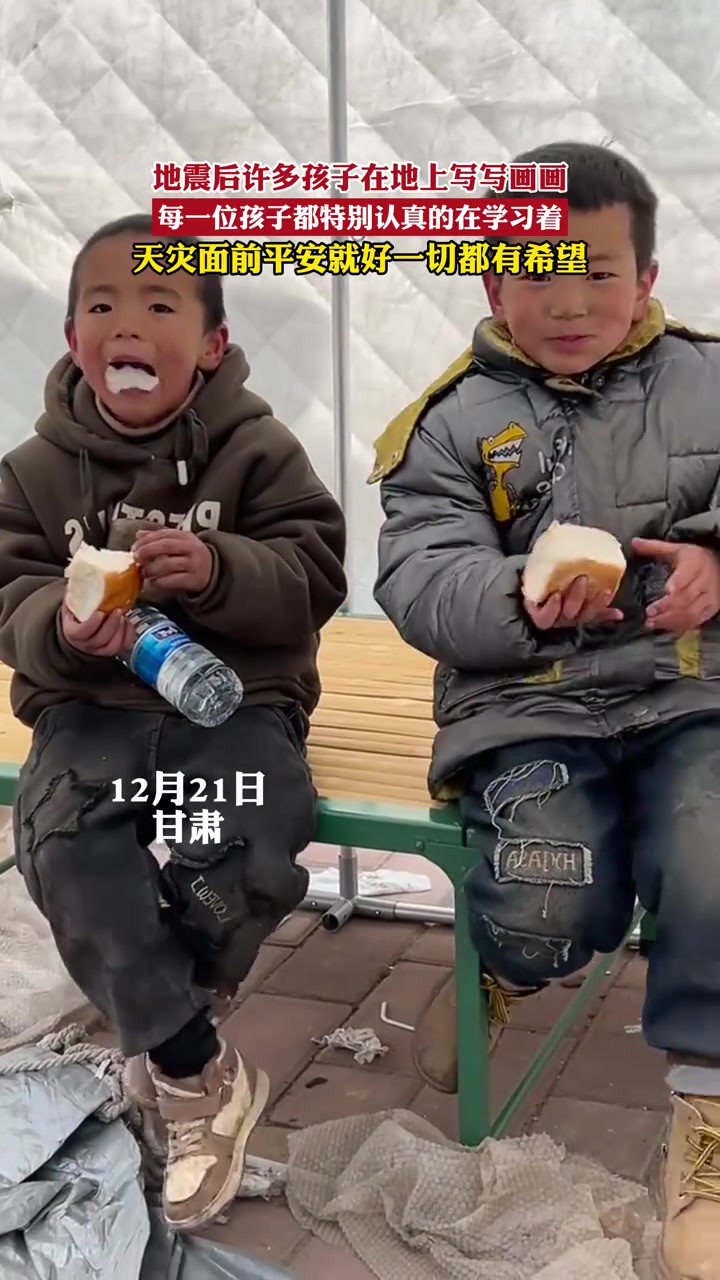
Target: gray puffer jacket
475	470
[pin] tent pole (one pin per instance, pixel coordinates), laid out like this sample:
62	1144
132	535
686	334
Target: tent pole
340	311
339	911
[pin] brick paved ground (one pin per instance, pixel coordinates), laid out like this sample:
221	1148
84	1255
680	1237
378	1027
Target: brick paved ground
603	1095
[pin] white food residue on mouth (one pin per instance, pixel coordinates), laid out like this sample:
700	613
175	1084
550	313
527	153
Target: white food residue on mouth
129	377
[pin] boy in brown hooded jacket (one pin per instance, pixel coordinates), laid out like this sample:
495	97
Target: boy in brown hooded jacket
244	547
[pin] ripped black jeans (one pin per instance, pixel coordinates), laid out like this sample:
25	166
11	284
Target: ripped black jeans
147	945
571	831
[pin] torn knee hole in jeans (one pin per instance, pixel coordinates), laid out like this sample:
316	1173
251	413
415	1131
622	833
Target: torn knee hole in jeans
61	807
534	860
532	946
537	780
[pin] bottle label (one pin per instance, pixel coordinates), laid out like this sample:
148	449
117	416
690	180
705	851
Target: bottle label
156	642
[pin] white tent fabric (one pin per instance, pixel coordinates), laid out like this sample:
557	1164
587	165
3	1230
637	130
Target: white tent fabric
93	93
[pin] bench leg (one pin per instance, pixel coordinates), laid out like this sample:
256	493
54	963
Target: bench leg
473	1040
339	910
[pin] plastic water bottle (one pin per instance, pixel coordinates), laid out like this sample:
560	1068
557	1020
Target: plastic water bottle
184	673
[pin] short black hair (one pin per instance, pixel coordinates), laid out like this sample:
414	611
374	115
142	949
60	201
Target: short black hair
210	286
598	177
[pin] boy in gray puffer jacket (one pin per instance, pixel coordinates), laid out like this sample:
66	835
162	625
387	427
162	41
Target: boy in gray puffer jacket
582	738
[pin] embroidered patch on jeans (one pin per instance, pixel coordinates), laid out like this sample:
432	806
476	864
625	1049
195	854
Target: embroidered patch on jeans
545	862
210	899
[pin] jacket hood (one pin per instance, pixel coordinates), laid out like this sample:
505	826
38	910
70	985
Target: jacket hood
493	348
72	422
493	351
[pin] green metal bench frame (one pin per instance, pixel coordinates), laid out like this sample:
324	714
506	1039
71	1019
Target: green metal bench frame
438	835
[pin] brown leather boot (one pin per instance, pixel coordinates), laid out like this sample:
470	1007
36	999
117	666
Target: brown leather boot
690	1244
435	1039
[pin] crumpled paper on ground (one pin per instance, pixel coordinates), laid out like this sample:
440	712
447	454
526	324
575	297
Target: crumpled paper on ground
409	1202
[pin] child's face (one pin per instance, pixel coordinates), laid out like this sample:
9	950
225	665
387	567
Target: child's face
568	323
153	320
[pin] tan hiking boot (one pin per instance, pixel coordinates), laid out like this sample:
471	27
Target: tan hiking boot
138	1081
690	1244
209	1121
435	1041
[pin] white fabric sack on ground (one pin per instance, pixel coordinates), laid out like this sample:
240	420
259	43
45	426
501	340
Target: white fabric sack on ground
409	1202
36	991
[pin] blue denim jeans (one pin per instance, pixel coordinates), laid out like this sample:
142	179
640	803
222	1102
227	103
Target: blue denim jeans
570	832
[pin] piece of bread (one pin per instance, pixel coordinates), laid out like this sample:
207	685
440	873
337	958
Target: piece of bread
100	580
568	551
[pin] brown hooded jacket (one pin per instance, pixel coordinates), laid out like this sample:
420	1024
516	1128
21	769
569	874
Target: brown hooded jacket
224	468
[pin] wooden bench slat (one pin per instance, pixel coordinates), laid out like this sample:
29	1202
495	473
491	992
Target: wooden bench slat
373	744
330	785
414	731
383	708
372	676
15	738
367	764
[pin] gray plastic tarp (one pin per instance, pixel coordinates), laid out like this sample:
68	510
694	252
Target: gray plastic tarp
71	1200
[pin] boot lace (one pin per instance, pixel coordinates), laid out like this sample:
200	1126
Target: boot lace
185	1139
703	1180
501	1000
